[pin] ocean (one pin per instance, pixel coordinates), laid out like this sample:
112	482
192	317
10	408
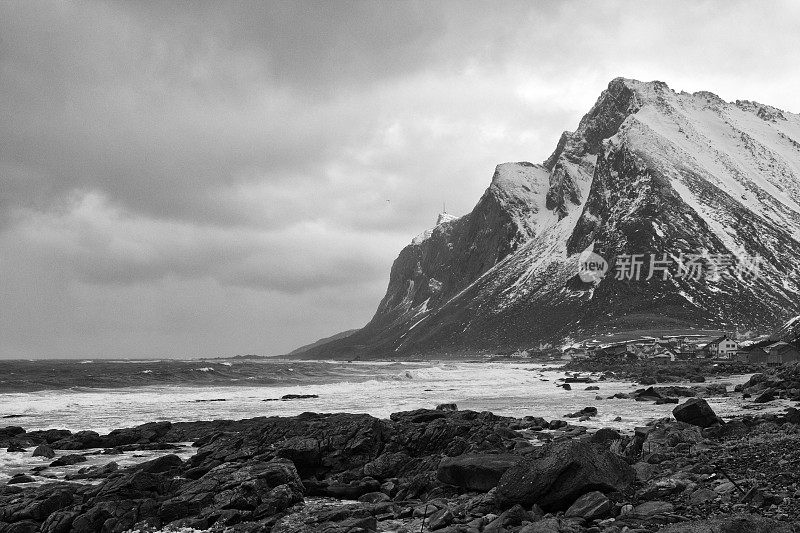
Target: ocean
105	395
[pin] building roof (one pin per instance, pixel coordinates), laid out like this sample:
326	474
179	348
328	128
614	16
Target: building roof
717	340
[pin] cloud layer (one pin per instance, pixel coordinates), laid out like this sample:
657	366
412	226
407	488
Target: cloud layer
204	178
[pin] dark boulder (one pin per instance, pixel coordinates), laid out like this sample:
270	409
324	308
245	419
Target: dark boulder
146	433
94	472
160	464
586	411
605	435
475	472
286	397
765	397
387	465
418	416
70	459
262	488
20	478
561	473
590	506
697	412
43	450
79	441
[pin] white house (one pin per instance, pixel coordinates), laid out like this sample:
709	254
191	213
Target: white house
722	348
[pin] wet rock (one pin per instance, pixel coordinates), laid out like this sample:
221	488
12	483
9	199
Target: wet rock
605	435
447	407
160	464
664	401
94	472
440	519
298	396
16	448
79	441
386	465
562	473
766	397
697	412
44	450
69	459
590	506
264	488
475	472
418	416
585	412
374	497
20	478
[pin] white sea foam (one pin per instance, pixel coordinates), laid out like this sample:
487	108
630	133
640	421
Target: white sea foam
509	389
503	388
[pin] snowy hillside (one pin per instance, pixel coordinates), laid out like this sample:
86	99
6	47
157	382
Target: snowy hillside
647	171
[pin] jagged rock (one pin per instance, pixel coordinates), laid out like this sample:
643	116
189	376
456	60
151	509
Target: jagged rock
475	472
697	412
94	472
590	506
447	407
263	487
562	473
440	519
766	397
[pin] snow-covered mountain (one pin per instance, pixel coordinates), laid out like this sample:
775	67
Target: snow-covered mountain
648	171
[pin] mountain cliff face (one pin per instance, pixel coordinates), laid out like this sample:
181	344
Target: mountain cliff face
648	171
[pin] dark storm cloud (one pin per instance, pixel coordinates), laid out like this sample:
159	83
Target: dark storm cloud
203	162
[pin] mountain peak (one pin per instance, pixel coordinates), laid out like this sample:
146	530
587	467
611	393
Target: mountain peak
647	171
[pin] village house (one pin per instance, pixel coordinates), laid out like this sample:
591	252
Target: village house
724	347
782	352
665	354
752	354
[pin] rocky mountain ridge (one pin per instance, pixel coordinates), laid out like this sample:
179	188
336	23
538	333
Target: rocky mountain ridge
647	171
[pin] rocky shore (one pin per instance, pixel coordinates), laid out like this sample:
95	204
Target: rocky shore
649	372
426	470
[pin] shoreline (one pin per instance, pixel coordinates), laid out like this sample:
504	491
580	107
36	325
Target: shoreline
457	470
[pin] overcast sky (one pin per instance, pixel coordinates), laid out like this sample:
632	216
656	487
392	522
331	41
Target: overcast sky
200	179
